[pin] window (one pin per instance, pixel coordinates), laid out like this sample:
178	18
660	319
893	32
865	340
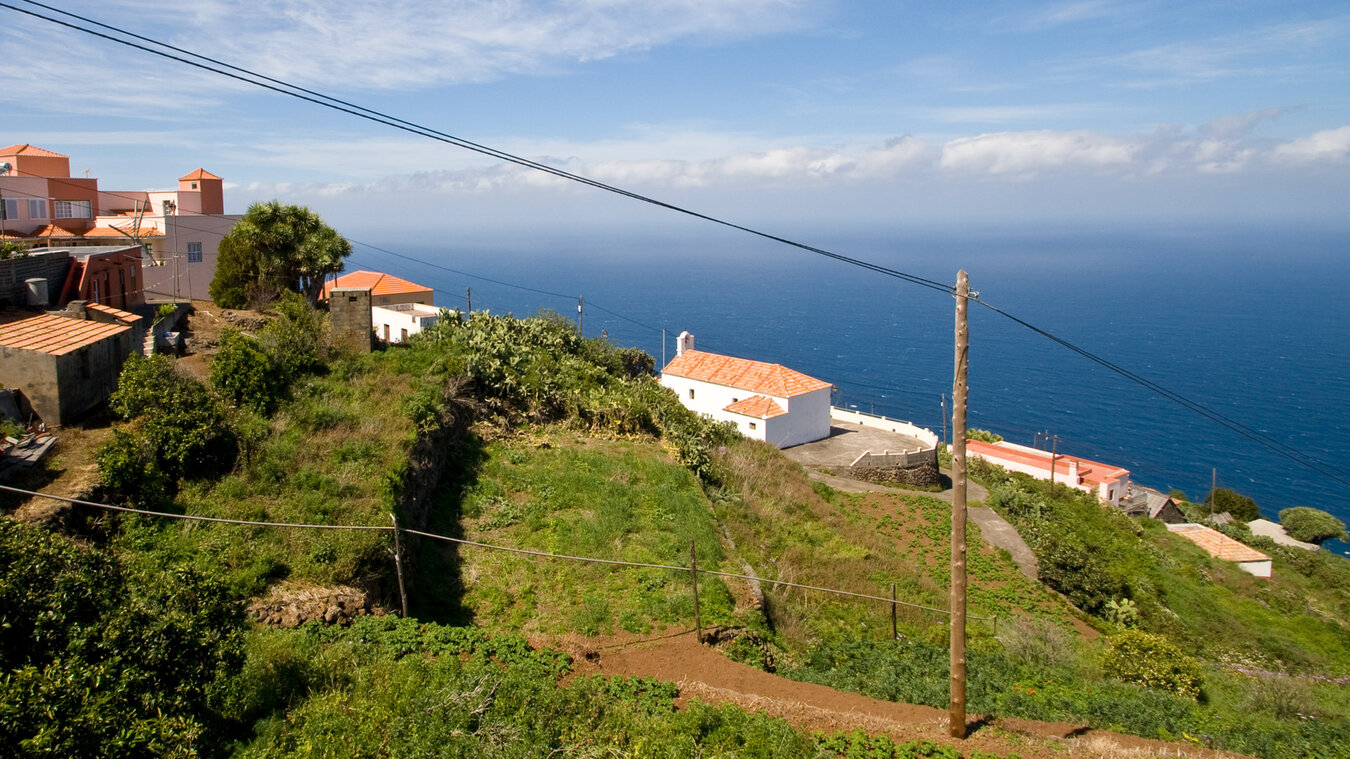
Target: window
37	209
691	393
194	252
194	185
752	425
404	337
74	209
9	209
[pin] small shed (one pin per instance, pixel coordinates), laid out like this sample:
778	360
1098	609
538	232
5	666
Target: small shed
65	366
1220	546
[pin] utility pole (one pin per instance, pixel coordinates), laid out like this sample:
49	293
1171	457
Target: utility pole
468	299
1054	454
1214	485
944	418
580	316
957	710
663	347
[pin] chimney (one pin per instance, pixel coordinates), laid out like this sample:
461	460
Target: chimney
1073	472
76	309
37	292
685	342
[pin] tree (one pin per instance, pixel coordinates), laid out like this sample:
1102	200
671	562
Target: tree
274	248
99	658
1240	506
1312	525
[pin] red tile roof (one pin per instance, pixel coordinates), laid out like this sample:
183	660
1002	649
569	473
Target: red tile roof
198	174
124	231
116	313
756	376
1217	544
379	284
55	335
56	230
25	149
758	406
1093	473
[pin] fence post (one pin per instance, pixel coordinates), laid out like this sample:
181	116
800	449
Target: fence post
995	625
693	576
398	563
894	632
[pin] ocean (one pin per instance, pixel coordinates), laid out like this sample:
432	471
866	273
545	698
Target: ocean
1251	323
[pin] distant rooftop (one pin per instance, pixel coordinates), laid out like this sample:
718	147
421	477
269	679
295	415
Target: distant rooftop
1217	544
378	282
30	150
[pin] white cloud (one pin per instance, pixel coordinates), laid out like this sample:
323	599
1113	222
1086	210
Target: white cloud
410	44
1026	153
1327	146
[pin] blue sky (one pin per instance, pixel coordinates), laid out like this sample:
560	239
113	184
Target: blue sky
799	113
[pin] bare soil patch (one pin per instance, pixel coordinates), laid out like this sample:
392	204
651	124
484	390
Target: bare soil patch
701	672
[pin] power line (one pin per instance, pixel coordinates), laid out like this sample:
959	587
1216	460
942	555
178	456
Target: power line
285	88
462	541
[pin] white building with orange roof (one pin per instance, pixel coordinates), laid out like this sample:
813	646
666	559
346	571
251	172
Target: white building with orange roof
1109	483
768	402
399	309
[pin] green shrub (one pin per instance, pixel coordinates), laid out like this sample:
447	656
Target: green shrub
178	418
1312	525
1152	661
244	375
98	659
984	436
1240	506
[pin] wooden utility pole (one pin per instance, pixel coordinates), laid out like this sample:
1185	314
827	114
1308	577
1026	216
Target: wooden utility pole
1054	454
398	564
580	316
957	711
1213	485
468	299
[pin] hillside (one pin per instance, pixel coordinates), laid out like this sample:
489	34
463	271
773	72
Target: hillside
518	433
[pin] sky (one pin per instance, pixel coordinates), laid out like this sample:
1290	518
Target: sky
787	113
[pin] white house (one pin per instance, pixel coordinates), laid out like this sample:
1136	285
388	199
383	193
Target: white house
396	322
768	402
1109	483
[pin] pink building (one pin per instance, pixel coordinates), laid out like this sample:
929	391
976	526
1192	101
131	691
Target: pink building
1109	483
179	229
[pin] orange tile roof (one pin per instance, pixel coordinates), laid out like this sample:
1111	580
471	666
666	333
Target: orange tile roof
116	313
56	230
55	335
1093	473
379	284
124	231
199	174
758	406
26	149
756	376
1217	544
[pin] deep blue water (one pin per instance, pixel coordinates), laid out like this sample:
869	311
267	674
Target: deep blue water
1252	324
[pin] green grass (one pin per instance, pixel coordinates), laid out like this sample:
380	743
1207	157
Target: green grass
559	492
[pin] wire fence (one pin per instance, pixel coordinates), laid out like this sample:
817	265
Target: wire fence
398	532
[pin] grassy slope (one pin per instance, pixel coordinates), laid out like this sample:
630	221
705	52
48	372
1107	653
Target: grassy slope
335	453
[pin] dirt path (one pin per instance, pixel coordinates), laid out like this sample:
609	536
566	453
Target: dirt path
701	672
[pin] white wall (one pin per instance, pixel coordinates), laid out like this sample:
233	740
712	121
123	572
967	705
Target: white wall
807	419
925	436
392	322
808	416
